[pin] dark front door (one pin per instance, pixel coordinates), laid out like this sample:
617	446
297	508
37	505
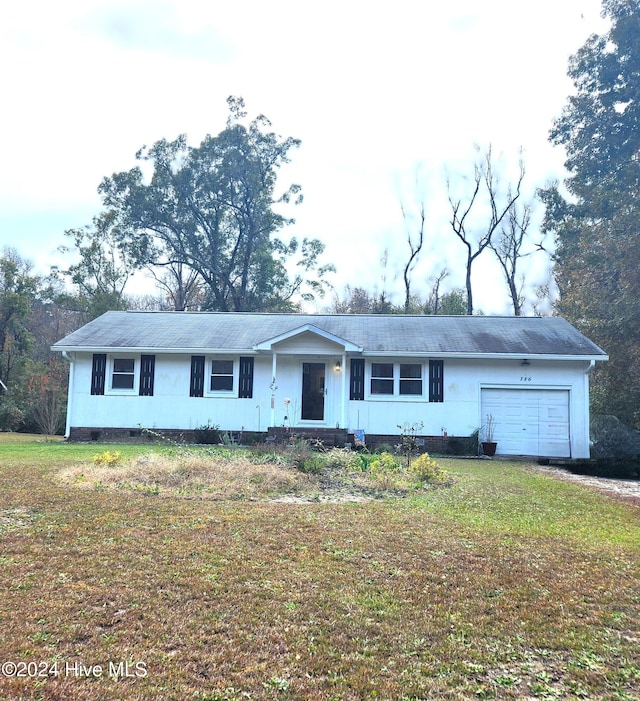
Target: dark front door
313	391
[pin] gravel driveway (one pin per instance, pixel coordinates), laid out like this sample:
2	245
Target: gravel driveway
627	488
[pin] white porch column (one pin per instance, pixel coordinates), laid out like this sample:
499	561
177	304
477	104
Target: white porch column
274	367
343	393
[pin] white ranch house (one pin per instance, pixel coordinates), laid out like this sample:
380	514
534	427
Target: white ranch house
174	372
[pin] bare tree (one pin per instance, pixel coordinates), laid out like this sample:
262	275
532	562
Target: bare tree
383	305
415	246
485	192
183	286
509	250
356	301
435	297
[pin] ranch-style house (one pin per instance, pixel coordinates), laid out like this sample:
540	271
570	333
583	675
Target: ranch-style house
256	375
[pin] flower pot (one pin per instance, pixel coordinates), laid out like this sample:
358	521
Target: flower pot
489	448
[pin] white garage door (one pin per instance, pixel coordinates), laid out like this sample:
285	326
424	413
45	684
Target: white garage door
529	421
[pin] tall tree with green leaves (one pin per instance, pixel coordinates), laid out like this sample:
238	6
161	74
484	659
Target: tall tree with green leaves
596	225
18	288
216	209
100	275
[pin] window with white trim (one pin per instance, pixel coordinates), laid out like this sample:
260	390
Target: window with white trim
123	374
221	376
410	378
381	378
397	379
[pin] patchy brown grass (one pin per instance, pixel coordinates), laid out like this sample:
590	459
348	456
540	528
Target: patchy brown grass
508	585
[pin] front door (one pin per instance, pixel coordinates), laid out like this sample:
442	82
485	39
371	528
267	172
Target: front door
313	391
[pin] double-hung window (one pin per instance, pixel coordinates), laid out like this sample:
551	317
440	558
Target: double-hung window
123	373
401	380
381	378
221	376
410	378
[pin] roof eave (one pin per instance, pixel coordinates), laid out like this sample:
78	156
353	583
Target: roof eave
149	349
484	356
371	354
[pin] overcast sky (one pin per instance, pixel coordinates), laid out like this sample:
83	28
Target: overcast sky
382	95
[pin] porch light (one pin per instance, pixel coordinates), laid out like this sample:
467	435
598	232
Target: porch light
338	366
525	362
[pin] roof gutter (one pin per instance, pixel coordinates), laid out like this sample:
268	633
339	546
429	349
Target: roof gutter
485	356
144	349
367	354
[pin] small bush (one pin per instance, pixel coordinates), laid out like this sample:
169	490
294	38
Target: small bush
385	462
11	417
343	458
386	472
425	469
303	454
615	449
310	465
108	458
384	448
207	434
628	468
463	445
364	461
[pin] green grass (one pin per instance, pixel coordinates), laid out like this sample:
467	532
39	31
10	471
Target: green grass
508	584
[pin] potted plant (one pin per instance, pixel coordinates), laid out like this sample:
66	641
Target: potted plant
489	445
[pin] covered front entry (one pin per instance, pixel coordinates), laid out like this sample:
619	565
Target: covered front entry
313	391
529	421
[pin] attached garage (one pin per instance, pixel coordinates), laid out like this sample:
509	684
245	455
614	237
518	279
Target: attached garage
529	421
323	373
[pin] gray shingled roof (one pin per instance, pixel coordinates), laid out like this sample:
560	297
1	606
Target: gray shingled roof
431	335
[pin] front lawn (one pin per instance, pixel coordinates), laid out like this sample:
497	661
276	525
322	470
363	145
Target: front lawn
506	584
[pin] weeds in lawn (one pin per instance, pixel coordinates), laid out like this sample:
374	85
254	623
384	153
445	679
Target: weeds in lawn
265	472
386	472
190	472
108	458
343	458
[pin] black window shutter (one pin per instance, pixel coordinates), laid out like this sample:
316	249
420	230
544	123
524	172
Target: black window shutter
436	380
197	376
245	384
356	379
98	373
147	373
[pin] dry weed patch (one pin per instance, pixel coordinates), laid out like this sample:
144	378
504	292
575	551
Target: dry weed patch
189	473
291	475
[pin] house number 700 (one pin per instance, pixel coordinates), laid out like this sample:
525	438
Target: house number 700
525	379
